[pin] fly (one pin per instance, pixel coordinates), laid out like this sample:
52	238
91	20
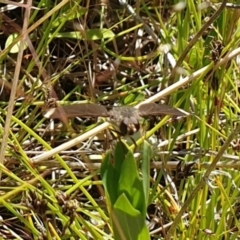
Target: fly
125	117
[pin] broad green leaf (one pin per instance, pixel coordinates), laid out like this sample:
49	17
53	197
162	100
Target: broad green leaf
111	170
124	188
110	177
130	183
128	222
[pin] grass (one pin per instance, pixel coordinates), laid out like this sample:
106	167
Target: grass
56	179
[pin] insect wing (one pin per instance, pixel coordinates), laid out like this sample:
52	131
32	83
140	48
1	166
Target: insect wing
153	109
79	110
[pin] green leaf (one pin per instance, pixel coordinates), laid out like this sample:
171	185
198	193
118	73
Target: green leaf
120	175
128	223
110	176
129	99
130	183
133	97
111	170
124	188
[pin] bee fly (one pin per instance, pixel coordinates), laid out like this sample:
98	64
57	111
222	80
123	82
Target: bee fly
125	117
